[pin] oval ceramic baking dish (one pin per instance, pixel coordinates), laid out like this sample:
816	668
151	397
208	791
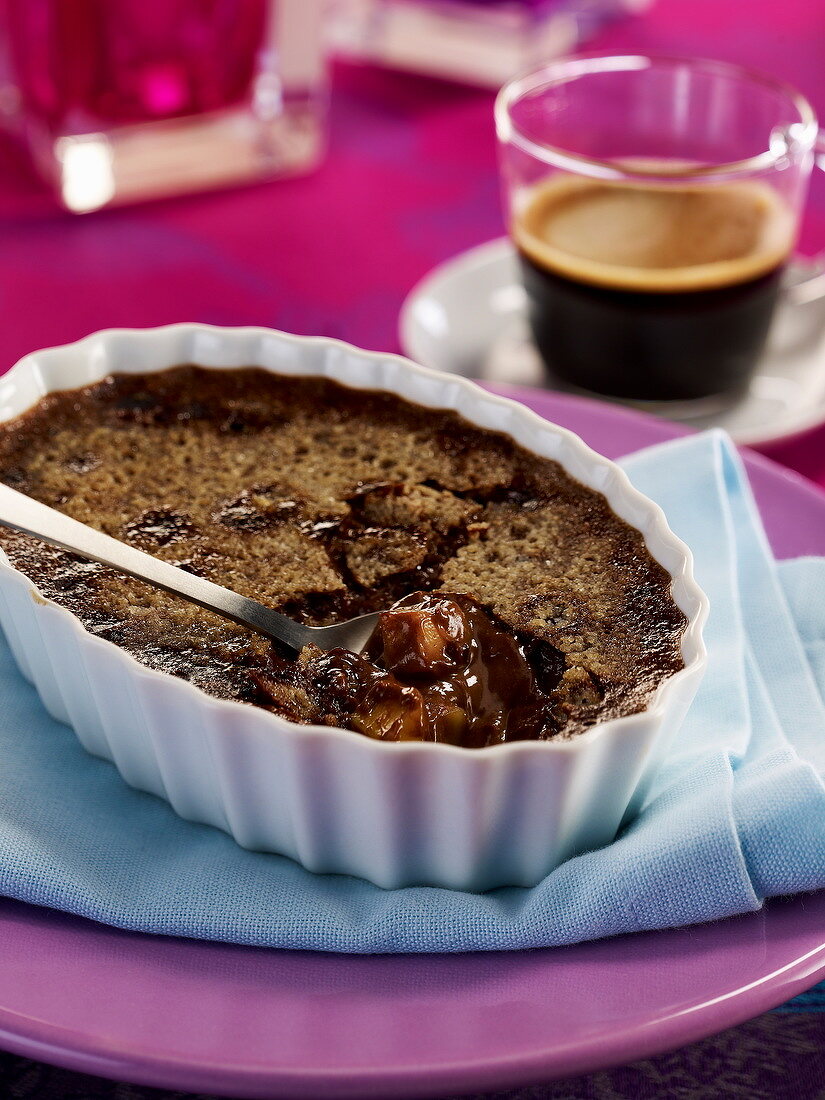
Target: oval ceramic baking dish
395	813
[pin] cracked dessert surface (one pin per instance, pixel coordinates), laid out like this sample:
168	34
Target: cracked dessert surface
326	502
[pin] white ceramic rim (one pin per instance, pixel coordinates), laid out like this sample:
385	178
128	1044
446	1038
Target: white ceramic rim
694	653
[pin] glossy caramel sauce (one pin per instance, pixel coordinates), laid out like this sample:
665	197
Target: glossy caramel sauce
437	668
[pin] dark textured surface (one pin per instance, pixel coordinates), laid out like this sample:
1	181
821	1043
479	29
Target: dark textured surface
780	1054
326	502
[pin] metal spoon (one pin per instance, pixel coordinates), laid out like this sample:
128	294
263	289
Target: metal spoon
21	513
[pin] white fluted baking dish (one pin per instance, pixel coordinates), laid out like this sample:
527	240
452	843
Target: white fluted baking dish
336	801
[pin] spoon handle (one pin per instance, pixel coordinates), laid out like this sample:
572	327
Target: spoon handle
30	517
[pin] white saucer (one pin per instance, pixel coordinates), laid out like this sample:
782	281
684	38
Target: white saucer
467	316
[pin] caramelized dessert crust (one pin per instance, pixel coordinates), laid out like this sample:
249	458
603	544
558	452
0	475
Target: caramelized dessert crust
547	613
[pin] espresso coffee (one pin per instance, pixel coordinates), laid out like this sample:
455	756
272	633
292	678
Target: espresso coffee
652	292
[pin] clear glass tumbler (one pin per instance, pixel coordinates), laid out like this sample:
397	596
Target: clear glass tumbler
120	100
654	203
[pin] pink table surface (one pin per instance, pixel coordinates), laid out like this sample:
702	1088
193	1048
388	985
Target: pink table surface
409	181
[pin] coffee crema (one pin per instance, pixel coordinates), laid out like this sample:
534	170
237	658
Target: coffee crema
652	291
654	237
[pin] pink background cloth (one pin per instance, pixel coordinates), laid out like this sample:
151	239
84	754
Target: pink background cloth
409	181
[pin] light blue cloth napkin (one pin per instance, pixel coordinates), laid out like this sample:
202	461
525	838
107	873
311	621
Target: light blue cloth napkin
737	815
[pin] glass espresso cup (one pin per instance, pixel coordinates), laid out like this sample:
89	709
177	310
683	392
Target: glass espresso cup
654	203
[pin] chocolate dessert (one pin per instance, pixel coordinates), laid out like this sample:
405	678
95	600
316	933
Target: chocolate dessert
517	604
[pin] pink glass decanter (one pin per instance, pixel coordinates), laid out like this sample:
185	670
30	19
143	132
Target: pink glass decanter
121	100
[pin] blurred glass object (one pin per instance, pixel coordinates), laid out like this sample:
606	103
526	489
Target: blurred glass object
123	100
483	42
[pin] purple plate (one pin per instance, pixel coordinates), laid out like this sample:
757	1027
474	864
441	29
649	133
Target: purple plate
257	1023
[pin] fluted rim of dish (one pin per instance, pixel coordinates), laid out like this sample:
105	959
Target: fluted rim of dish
692	601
